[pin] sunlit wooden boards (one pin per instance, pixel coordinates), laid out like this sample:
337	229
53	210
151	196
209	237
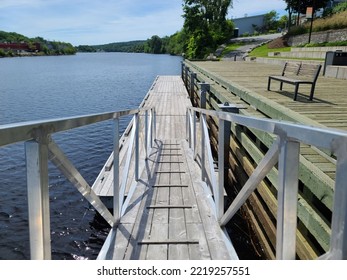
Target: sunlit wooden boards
169	215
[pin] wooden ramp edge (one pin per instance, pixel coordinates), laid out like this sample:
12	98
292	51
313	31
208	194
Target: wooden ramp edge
169	213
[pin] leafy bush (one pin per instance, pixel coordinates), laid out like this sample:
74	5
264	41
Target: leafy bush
340	8
325	44
298	30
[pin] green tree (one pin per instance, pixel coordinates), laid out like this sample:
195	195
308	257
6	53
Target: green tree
300	6
154	45
205	25
340	7
283	21
271	20
176	43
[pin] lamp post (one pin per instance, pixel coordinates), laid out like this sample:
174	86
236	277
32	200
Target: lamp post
310	14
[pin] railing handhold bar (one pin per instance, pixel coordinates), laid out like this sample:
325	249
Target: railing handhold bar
263	168
58	158
12	133
315	136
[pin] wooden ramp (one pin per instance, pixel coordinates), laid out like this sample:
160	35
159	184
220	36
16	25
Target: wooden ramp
168	213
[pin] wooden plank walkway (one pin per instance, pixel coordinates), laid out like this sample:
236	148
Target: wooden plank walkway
328	108
169	215
245	83
329	105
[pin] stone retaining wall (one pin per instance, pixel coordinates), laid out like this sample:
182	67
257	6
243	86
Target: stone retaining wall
319	37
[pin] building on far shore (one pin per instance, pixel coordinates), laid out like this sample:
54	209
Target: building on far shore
21	47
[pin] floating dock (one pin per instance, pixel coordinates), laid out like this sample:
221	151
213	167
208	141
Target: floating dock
169	214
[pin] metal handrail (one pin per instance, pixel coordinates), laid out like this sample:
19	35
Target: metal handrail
23	131
40	147
285	151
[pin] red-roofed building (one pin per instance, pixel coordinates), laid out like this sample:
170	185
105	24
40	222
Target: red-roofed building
21	47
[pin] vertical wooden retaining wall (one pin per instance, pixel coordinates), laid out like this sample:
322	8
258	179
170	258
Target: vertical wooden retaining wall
247	148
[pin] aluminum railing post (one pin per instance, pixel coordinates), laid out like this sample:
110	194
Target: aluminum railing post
117	201
38	200
338	242
146	134
137	156
223	163
188	127
203	169
194	135
154	124
151	130
287	197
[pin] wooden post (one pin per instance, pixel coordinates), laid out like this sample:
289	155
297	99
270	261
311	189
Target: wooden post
205	87
192	83
186	76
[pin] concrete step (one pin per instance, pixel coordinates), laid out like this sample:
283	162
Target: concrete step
308	53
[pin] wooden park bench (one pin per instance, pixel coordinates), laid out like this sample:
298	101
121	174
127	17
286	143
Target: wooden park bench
297	73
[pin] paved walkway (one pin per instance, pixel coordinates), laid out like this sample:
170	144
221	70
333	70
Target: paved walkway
249	44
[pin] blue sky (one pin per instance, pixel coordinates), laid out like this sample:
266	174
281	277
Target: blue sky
105	21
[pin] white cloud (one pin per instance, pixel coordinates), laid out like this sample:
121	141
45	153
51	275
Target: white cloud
91	22
254	7
98	22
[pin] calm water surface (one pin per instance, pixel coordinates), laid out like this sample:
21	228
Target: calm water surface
35	88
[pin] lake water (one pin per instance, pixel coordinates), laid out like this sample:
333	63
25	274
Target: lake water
35	88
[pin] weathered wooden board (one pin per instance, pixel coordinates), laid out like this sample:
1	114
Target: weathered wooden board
242	82
164	219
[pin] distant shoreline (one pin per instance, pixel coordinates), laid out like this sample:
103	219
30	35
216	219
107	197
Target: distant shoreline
32	55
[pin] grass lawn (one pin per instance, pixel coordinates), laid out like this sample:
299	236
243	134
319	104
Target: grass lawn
230	48
263	51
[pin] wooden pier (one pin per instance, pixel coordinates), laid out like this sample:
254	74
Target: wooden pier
172	167
245	83
168	215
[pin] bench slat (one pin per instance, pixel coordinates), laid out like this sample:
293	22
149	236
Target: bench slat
298	73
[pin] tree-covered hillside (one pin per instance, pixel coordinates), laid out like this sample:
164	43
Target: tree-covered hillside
132	46
39	46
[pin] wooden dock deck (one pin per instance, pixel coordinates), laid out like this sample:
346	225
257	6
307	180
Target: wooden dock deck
174	163
245	83
329	105
167	213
